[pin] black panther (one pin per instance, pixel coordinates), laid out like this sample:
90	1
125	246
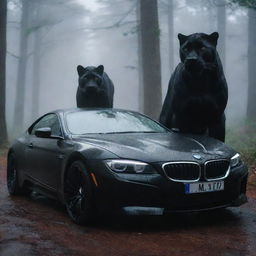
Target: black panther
197	92
95	88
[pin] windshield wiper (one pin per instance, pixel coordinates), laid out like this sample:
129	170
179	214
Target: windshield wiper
120	132
102	133
131	132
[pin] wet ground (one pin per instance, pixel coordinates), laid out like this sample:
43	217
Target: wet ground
36	225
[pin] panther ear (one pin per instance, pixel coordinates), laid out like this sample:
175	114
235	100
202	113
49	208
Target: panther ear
100	69
80	70
182	38
213	38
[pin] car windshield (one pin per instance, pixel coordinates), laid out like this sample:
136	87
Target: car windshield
110	121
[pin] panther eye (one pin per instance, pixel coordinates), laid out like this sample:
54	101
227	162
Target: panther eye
185	49
203	48
97	79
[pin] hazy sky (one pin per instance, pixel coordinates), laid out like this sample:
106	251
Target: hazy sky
92	5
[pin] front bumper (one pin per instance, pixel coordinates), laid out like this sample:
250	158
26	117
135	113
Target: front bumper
119	192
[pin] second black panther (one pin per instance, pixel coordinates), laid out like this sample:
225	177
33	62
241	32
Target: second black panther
197	93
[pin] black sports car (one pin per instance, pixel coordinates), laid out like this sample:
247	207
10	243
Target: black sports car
96	160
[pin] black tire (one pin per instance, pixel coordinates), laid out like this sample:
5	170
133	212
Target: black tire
13	178
78	194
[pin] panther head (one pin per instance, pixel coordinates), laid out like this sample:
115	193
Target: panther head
90	78
198	51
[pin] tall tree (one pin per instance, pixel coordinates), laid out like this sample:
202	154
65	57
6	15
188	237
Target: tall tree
150	55
221	28
36	60
251	103
140	89
171	34
3	15
21	76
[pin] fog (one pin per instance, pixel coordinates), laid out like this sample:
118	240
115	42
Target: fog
91	32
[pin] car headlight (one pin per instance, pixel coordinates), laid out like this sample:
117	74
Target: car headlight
129	166
235	160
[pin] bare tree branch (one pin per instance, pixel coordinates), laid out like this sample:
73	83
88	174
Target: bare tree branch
117	24
13	55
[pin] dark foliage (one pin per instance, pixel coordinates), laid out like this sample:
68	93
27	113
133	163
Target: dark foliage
246	3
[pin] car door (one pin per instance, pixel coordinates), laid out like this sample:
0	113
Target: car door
45	154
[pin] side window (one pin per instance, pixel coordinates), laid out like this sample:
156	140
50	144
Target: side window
51	121
55	125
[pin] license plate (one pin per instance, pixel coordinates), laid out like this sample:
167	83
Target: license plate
203	187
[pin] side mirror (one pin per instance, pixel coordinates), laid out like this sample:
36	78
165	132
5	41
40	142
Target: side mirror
44	132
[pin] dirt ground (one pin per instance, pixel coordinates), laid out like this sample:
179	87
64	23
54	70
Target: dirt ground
36	225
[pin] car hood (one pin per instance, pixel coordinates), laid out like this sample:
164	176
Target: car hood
159	147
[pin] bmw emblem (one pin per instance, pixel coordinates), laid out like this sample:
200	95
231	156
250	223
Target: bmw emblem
197	156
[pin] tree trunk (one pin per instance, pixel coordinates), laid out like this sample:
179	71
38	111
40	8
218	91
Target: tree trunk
150	55
171	35
3	16
21	77
251	103
141	90
36	65
221	26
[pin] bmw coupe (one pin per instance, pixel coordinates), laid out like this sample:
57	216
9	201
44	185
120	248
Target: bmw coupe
99	160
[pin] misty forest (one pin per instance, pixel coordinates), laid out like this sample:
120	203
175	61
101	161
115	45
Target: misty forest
43	41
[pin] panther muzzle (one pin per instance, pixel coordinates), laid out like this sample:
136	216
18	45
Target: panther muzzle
193	64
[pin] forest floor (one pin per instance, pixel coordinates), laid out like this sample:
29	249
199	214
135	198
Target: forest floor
36	225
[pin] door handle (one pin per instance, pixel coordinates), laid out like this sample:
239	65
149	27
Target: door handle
30	145
60	156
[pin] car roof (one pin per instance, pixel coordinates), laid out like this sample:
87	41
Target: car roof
70	110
